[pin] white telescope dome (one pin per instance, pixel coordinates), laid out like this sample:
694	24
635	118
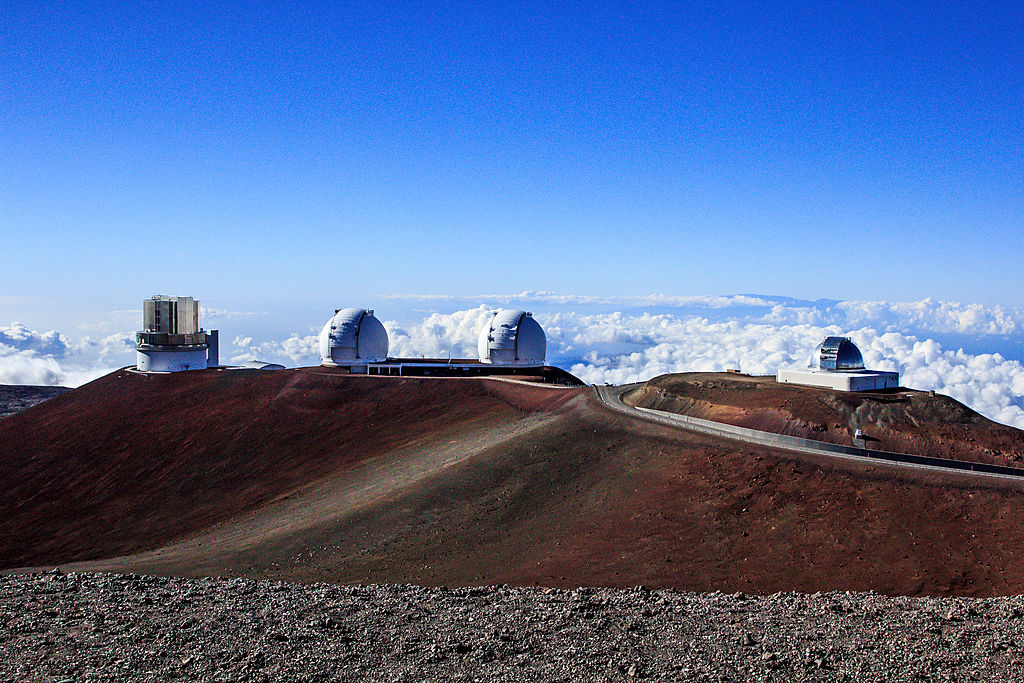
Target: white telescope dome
353	337
512	338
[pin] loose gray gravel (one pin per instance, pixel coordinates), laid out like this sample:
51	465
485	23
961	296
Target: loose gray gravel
106	627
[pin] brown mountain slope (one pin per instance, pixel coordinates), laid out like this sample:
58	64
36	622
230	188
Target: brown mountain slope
131	461
905	421
312	476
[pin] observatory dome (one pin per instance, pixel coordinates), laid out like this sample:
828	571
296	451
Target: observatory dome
512	338
836	353
353	337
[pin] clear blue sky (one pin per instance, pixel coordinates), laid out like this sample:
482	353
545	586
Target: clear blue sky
334	151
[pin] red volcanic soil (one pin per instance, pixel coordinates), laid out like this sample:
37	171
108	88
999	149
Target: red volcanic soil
130	461
309	475
904	420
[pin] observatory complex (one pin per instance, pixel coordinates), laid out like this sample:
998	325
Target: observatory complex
837	363
510	342
171	339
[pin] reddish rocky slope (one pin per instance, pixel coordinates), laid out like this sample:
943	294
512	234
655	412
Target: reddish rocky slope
314	476
130	461
902	420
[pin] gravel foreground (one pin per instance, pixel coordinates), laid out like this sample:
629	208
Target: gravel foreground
91	627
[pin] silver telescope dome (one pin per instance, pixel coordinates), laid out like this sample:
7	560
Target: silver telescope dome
836	353
353	337
512	338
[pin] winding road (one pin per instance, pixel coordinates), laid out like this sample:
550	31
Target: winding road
611	396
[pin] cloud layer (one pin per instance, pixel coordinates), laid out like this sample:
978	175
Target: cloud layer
50	358
619	340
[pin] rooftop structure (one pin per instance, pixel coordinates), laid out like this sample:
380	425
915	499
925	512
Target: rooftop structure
837	363
170	315
171	339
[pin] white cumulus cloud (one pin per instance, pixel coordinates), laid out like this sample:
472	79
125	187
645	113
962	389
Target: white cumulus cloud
49	358
295	350
925	315
18	337
447	335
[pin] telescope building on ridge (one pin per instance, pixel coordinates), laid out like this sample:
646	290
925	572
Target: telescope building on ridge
171	339
837	363
512	338
353	337
510	342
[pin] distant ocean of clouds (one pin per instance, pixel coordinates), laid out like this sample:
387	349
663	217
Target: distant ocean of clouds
971	352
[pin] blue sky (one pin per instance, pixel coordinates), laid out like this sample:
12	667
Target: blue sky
624	170
262	157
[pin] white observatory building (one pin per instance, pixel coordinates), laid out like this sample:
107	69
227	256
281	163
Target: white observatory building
512	338
837	363
509	343
353	338
171	339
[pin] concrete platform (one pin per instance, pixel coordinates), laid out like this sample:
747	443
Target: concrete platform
841	380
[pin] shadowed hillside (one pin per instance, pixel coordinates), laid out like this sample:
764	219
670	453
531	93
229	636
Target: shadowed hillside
310	475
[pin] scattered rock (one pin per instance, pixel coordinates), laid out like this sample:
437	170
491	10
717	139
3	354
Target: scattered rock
123	628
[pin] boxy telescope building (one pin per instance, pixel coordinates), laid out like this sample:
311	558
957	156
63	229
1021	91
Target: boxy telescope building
171	339
837	363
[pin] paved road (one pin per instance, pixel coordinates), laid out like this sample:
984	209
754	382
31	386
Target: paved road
612	397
